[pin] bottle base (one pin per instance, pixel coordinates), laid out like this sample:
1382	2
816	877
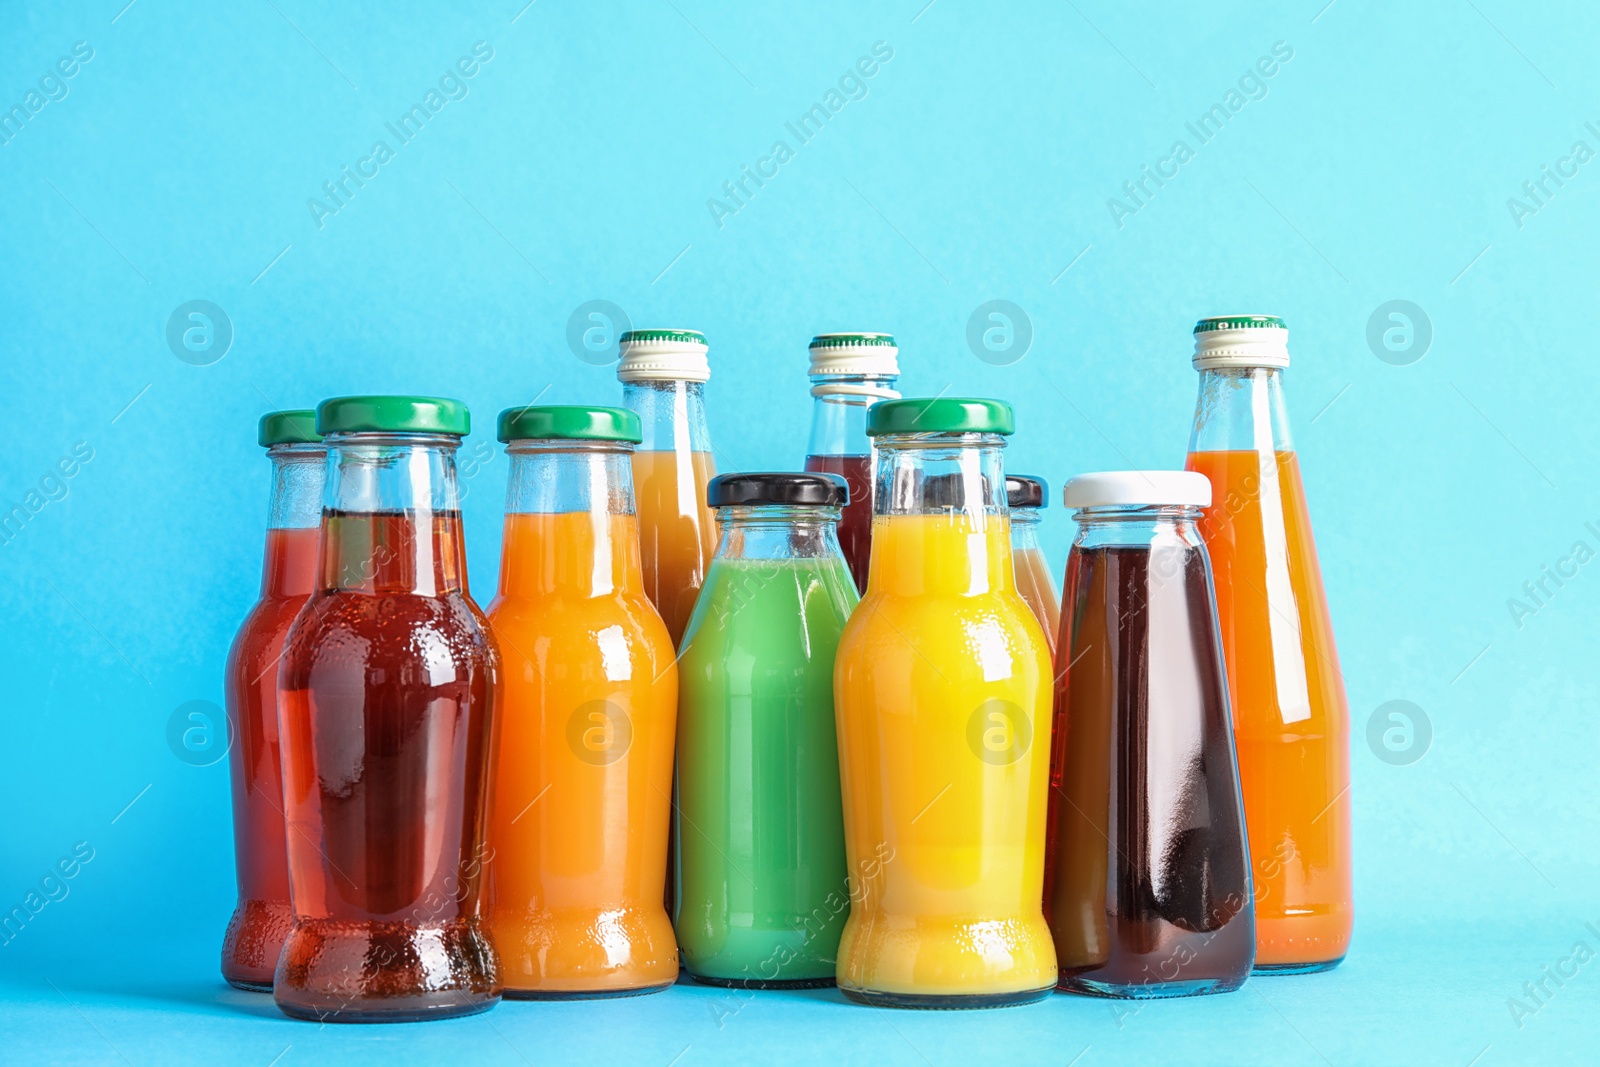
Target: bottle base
1088	987
412	1012
350	971
250	986
946	1002
765	983
1296	968
253	942
584	994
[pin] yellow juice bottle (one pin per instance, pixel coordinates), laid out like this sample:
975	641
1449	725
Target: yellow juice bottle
942	699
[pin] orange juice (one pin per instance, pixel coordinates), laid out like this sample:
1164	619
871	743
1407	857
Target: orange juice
1290	719
678	532
582	799
942	699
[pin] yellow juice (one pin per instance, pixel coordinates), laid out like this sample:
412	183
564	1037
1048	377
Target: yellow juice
942	699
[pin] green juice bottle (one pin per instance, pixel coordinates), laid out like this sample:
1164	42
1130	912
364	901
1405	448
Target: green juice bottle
762	892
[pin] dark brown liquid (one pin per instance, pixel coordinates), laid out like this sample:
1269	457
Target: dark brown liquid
855	521
1146	875
389	681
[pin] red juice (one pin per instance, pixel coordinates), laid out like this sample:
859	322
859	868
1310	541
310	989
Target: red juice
855	520
256	932
389	683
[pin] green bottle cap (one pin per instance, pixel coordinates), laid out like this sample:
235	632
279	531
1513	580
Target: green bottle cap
687	337
1239	322
298	427
853	340
393	414
569	422
944	414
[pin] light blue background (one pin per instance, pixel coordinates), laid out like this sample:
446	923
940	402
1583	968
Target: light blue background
978	167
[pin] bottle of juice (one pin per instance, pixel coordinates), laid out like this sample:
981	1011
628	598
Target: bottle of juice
389	680
1289	713
255	933
850	372
663	375
1147	877
762	894
1026	496
583	780
942	693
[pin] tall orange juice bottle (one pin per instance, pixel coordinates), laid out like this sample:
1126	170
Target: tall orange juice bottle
583	777
663	374
1291	722
942	700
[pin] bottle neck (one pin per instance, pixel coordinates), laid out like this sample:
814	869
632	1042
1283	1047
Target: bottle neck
1241	409
672	412
391	515
293	515
940	521
1137	526
778	531
298	474
570	526
839	412
940	474
1025	528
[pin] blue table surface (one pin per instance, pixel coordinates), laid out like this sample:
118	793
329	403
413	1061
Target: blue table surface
1422	990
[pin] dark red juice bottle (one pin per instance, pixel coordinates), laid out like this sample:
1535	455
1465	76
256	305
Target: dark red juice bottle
256	931
849	373
1147	870
390	683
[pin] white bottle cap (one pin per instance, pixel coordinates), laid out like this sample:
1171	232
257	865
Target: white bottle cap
1138	489
854	354
1240	341
663	354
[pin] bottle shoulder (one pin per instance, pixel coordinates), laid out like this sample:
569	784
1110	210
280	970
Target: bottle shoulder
343	624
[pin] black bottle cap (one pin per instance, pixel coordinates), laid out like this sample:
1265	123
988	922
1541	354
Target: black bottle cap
778	487
1026	491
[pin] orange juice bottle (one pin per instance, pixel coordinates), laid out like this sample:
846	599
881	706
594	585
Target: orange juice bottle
942	700
663	375
1026	497
1291	722
583	777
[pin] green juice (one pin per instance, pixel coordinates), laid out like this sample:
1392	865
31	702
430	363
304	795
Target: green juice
762	894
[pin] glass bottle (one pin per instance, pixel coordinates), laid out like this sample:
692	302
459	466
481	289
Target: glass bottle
583	779
850	372
389	680
762	893
663	375
1290	718
1027	496
1147	875
255	933
942	691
